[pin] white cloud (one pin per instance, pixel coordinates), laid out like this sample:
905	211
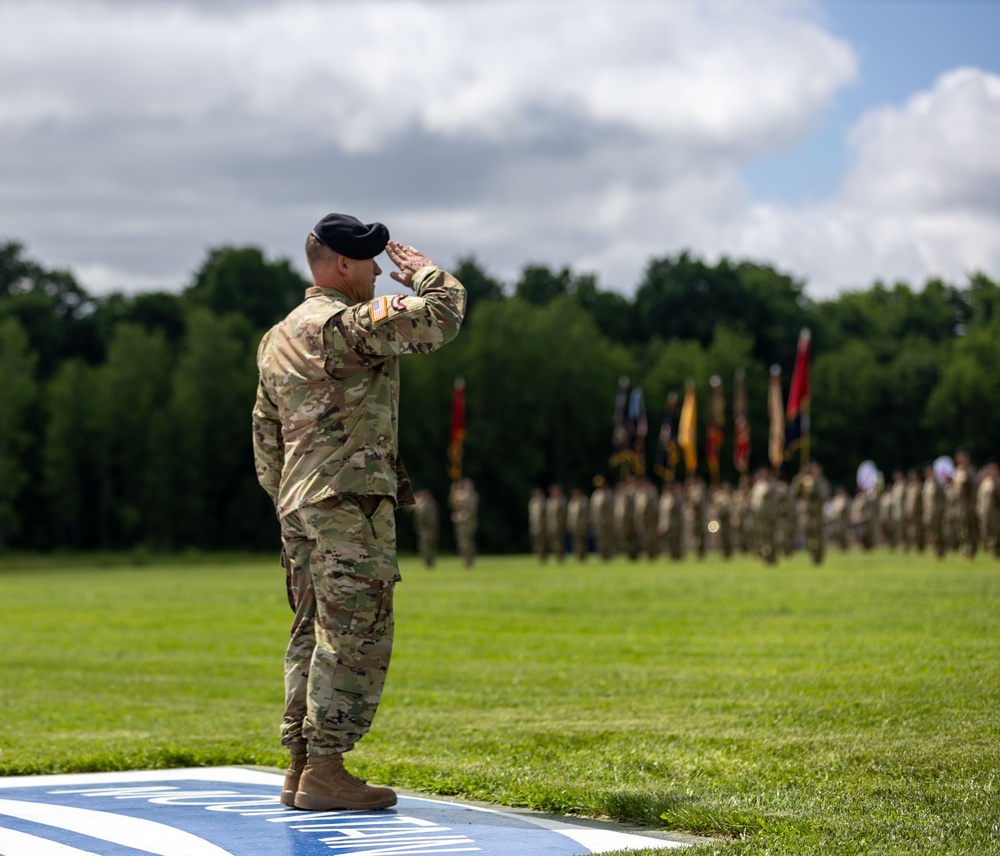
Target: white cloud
593	133
922	198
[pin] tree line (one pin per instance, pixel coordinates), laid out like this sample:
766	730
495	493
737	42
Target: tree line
126	418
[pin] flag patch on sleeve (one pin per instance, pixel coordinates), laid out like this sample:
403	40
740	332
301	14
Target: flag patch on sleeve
379	308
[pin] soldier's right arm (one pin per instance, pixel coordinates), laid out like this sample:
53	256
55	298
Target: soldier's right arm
402	324
268	443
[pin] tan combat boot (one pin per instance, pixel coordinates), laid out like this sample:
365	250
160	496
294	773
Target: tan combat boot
292	776
326	786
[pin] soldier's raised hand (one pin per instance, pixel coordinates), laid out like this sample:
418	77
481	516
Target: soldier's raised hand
407	259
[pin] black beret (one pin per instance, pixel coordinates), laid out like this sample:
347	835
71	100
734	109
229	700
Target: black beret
348	236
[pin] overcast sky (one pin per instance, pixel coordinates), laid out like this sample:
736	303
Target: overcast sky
842	141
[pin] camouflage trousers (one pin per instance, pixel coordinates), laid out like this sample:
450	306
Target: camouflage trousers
340	570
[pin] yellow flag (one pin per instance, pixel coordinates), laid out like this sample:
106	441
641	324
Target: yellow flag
687	429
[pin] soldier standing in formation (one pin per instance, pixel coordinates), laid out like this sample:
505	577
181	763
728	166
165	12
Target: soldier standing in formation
555	522
913	512
326	449
602	515
464	503
646	517
864	518
962	505
988	508
670	519
722	501
697	500
764	509
814	490
626	535
425	521
840	518
933	501
578	522
536	524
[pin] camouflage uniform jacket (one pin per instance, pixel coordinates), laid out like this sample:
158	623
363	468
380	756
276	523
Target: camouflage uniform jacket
326	417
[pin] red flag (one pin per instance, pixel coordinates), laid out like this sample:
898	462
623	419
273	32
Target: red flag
741	443
797	412
714	434
457	437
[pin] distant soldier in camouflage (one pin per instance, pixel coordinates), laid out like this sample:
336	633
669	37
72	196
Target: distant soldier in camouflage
464	502
933	500
962	503
813	490
536	524
697	511
722	503
988	508
670	520
740	515
897	494
578	522
840	518
647	500
427	526
602	516
326	450
764	507
787	521
555	522
864	518
626	535
913	512
885	522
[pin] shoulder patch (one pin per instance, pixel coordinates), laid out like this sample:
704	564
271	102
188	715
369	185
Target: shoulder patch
378	308
397	303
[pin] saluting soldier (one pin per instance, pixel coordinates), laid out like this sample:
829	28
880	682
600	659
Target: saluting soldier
578	522
326	450
425	521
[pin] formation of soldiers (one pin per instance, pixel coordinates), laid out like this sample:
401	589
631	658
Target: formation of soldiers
463	504
762	515
957	511
770	517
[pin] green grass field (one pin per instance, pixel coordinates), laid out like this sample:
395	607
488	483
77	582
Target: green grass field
852	708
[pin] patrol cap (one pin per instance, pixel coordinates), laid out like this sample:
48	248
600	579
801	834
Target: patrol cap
348	236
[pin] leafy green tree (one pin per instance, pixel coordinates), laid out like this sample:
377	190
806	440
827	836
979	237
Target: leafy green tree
240	279
962	408
72	457
848	388
217	502
134	386
539	285
20	391
480	287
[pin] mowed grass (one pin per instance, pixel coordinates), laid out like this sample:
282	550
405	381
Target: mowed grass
850	708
